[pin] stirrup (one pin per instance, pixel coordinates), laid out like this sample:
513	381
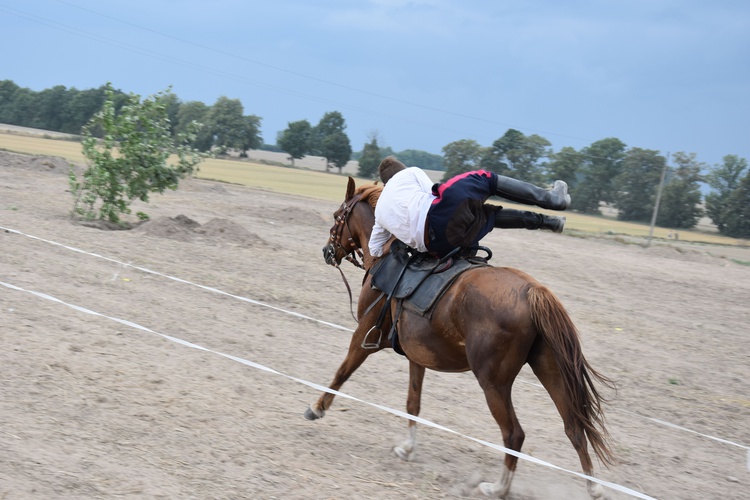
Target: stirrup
370	345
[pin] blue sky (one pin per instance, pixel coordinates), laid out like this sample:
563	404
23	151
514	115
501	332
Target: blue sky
669	75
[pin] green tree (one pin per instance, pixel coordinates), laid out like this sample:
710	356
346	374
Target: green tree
517	155
295	139
461	156
226	123
81	105
173	104
188	115
637	184
737	214
387	151
602	163
131	161
370	159
421	159
337	150
680	201
329	140
724	179
251	138
565	165
49	114
21	107
8	90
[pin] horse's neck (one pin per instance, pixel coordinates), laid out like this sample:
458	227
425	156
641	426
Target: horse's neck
364	240
365	231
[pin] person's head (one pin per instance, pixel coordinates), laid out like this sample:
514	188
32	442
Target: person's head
389	167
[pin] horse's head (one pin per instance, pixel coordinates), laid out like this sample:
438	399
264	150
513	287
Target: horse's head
350	231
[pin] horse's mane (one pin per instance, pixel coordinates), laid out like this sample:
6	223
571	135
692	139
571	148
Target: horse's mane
370	193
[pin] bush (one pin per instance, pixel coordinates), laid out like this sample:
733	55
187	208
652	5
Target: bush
131	159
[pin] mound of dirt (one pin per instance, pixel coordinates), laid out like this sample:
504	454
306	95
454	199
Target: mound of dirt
183	228
53	164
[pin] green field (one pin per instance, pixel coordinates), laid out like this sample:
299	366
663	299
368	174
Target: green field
331	187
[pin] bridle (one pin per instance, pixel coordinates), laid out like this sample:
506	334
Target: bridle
337	237
337	242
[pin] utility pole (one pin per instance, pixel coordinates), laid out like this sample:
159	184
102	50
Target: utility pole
658	200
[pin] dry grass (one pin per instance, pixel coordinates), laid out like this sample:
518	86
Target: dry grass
313	184
26	144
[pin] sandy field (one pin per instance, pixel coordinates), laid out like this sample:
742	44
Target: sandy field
132	361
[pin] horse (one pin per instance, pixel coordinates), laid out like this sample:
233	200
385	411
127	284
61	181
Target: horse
492	321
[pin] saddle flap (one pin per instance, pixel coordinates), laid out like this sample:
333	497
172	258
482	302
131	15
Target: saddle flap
426	296
400	273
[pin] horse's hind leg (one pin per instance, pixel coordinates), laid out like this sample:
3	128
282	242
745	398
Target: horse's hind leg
547	371
405	451
495	375
501	406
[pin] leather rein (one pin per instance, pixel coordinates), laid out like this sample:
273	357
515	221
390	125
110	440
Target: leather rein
354	255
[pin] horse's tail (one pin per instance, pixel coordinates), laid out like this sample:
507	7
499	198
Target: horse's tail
553	322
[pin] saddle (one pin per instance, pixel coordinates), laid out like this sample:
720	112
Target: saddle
416	281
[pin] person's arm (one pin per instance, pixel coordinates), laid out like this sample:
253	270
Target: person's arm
378	238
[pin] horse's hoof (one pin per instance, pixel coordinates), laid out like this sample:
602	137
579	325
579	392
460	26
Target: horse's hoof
402	453
492	490
310	414
596	491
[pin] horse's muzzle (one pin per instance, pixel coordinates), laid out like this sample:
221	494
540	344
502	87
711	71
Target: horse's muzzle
329	255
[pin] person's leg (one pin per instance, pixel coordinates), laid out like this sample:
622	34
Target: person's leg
556	198
507	218
458	217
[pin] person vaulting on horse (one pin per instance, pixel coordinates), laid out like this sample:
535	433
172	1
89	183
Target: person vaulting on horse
438	218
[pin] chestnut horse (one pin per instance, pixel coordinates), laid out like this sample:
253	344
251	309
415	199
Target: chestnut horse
492	320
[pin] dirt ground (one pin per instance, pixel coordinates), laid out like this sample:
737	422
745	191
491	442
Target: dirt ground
91	407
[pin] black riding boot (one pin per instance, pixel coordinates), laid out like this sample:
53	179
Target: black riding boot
507	218
524	192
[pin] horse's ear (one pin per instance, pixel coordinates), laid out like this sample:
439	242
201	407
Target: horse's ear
350	189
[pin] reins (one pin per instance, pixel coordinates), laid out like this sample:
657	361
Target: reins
337	231
348	289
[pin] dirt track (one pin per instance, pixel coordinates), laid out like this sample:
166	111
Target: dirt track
94	408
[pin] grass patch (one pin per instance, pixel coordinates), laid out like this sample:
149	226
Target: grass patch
741	262
24	144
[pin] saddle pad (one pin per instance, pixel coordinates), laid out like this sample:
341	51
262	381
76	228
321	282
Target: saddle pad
435	285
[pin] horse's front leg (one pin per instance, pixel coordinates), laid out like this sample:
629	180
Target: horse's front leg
364	334
354	358
405	451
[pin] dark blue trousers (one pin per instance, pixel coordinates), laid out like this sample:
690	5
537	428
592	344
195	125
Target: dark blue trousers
459	216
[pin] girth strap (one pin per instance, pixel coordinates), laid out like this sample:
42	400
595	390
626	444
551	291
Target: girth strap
377	327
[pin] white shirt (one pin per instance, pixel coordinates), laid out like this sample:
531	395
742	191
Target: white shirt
402	210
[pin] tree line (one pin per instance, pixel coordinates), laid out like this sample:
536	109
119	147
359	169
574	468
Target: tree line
223	126
607	171
626	178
